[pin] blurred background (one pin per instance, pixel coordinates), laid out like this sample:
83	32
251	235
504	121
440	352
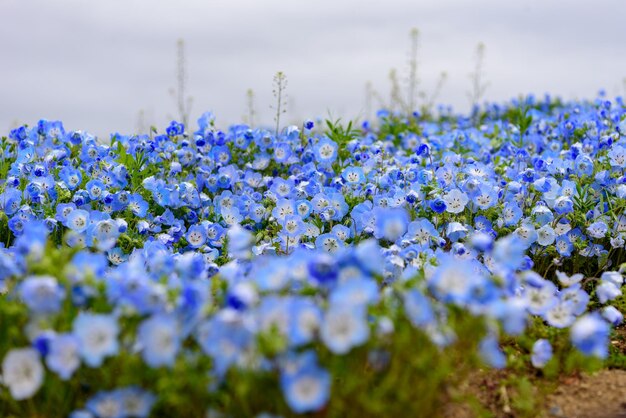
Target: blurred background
107	66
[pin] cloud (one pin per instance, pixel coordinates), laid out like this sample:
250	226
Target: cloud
95	65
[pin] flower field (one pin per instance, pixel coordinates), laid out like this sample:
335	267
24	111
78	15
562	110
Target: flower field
325	269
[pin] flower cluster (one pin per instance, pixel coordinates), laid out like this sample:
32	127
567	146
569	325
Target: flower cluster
244	256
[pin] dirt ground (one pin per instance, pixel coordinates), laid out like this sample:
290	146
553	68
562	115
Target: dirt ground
601	395
598	395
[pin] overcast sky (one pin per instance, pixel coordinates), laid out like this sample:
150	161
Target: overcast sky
96	64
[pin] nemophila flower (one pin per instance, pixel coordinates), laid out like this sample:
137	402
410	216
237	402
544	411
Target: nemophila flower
159	339
240	242
511	214
454	280
10	201
136	401
95	188
485	197
306	390
590	334
481	241
196	236
418	308
528	235
137	205
391	223
359	291
106	404
583	165
606	291
566	280
563	205
305	318
438	205
241	296
293	225
231	216
282	152
342	232
597	229
282	188
81	413
284	208
541	353
491	353
612	315
353	175
455	231
63	209
540	297
328	242
97	337
617	156
103	234
545	235
325	151
22	372
71	177
564	246
77	220
455	201
214	233
614	277
225	338
560	315
42	294
542	215
421	231
344	327
63	356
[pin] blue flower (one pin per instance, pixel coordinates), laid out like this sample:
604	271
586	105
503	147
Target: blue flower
307	390
136	401
196	236
491	353
612	315
343	328
606	291
42	294
597	229
97	337
353	175
455	280
159	340
418	308
106	404
391	223
325	151
541	353
511	214
77	220
63	355
305	318
545	235
328	242
455	201
22	372
590	335
95	188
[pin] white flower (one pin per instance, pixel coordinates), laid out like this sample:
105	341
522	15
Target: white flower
568	280
22	372
455	201
545	235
